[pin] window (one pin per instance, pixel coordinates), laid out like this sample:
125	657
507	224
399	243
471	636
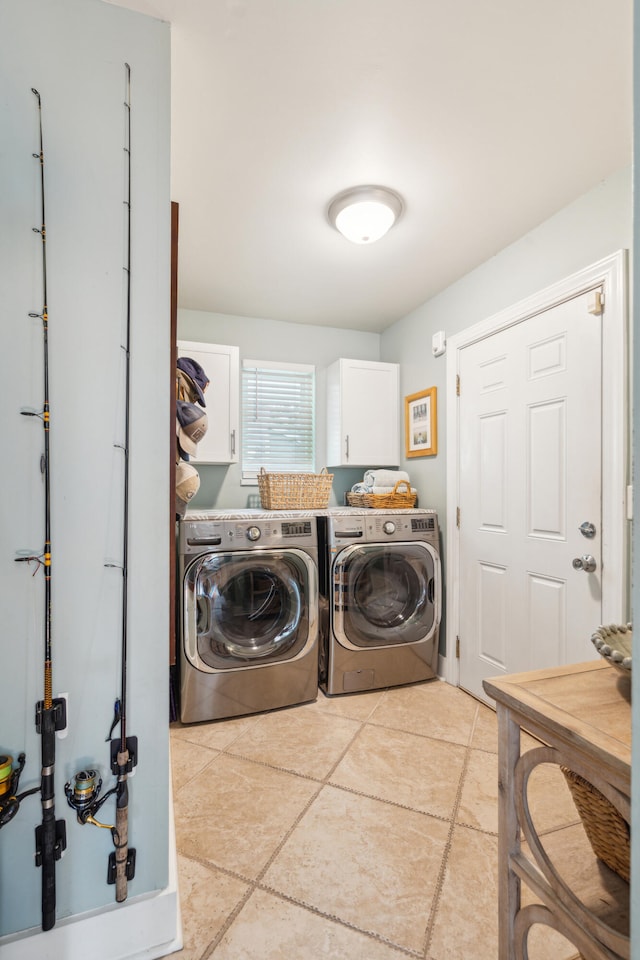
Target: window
278	418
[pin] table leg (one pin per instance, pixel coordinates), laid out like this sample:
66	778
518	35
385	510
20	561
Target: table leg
508	830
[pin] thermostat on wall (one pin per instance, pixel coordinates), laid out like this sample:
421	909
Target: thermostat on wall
438	343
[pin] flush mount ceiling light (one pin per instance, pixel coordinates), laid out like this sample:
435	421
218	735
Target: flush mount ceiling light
364	214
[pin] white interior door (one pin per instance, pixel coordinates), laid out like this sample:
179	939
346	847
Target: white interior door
530	475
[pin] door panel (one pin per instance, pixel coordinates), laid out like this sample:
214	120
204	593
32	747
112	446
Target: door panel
530	474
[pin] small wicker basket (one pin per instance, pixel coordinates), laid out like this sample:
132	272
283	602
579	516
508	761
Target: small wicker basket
607	831
294	491
397	499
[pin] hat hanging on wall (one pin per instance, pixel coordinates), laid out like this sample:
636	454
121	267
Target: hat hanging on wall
187	485
186	389
191	426
197	376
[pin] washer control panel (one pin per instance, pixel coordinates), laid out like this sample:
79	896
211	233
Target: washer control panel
204	536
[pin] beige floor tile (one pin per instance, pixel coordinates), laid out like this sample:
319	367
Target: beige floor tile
485	732
358	706
207	897
236	813
188	760
479	799
269	928
369	863
303	741
433	709
415	771
550	800
466	922
218	734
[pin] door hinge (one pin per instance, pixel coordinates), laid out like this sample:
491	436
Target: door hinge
596	303
457	648
458	517
457	384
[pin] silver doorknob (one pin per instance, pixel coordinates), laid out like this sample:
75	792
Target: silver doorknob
585	562
587	530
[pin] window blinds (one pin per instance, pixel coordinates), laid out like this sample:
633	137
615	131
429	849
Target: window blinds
278	417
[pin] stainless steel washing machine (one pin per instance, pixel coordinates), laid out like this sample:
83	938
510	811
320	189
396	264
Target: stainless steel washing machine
381	595
249	613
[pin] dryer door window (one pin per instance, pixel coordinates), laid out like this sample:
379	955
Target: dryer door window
385	594
247	609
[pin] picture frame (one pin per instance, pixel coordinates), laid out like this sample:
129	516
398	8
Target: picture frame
421	423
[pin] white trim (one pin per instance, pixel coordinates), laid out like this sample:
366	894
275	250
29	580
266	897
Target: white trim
278	365
611	273
142	928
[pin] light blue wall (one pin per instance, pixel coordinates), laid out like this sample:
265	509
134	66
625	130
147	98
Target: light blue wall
274	340
73	52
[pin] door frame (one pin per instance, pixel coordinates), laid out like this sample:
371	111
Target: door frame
611	274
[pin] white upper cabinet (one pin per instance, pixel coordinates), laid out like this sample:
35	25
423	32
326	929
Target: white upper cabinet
221	363
363	428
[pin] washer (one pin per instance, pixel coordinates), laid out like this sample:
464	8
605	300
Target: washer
381	596
249	613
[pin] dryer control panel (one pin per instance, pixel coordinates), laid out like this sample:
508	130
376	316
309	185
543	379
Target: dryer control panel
380	526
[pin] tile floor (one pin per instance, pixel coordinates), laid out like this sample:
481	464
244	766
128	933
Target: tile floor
360	827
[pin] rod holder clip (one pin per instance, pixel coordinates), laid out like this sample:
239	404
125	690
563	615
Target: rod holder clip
132	748
59	707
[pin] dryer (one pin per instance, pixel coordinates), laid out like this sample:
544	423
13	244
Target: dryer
381	592
249	613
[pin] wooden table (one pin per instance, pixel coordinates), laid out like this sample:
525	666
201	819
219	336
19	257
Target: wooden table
582	715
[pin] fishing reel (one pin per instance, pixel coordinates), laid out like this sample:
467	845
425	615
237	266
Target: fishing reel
10	799
83	796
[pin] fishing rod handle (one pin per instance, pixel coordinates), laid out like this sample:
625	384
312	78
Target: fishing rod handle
122	852
122	827
46	833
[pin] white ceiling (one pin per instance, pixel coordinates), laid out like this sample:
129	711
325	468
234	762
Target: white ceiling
487	116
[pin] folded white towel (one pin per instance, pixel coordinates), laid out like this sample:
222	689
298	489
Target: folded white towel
384	478
363	488
401	489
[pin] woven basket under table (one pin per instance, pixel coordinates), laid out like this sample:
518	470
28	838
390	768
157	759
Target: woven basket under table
294	491
607	831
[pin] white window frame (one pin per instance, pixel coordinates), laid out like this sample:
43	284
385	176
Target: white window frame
249	477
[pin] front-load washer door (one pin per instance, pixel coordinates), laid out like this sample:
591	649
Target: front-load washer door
386	594
248	609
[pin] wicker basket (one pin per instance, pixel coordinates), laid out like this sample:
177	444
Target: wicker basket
398	499
607	831
294	491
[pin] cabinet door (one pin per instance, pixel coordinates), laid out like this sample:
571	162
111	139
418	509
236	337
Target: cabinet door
221	363
362	413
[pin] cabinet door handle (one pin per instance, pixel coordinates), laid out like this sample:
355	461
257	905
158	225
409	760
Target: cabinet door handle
233	443
346	447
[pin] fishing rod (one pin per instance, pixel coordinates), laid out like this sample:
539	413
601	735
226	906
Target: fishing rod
123	752
83	793
50	713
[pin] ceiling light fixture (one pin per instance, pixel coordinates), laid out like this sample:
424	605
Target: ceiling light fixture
364	214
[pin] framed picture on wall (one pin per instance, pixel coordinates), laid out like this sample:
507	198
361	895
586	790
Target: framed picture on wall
421	424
